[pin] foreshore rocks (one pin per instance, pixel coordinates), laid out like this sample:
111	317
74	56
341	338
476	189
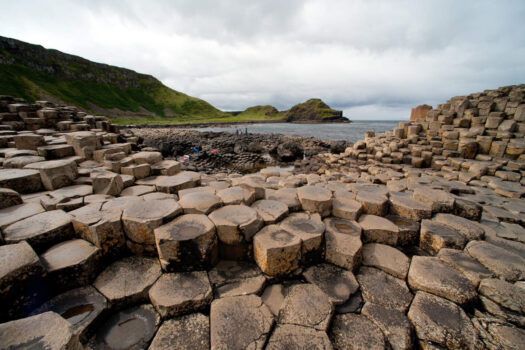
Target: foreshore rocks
237	153
113	246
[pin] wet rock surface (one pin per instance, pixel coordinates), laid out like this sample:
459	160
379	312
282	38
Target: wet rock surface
132	328
398	242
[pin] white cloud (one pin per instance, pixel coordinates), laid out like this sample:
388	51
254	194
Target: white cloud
373	59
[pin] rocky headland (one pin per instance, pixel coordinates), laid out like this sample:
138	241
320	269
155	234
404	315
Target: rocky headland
410	239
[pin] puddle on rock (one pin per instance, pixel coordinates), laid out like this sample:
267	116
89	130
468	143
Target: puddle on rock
344	227
78	313
305	226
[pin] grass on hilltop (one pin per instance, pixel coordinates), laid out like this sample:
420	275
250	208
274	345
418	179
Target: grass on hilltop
21	81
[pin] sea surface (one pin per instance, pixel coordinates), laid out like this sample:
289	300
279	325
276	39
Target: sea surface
353	131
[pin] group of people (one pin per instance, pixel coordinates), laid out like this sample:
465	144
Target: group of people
239	132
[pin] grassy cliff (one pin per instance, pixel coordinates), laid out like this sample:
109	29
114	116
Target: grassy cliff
35	73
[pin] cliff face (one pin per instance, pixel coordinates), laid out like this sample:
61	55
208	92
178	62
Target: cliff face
314	110
33	72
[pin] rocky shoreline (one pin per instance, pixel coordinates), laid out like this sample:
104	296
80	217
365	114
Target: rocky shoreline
410	239
233	153
222	124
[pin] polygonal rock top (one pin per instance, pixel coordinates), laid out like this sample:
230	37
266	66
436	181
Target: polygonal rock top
235	222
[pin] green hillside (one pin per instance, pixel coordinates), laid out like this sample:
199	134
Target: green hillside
35	73
261	113
313	110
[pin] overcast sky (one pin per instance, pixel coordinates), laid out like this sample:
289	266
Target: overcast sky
373	59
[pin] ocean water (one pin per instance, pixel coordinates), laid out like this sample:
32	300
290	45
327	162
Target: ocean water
346	131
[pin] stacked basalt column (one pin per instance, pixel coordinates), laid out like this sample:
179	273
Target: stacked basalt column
485	128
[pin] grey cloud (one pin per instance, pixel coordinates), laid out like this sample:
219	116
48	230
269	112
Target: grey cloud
373	59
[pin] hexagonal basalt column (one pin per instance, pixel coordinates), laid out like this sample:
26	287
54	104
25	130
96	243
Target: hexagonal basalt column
175	183
41	230
81	307
236	195
20	270
55	173
44	331
142	217
276	251
127	281
187	243
29	141
166	167
84	143
247	329
310	230
402	204
132	328
378	287
22	161
435	236
377	229
56	151
71	264
140	171
356	331
337	283
287	196
236	225
343	243
408	230
346	208
306	305
232	278
106	182
374	203
432	275
271	211
182	333
138	190
175	294
315	199
147	157
425	314
103	228
19	212
21	180
8	198
252	183
289	336
200	203
386	258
